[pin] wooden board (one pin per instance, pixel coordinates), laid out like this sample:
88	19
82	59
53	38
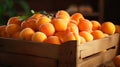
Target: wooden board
96	46
98	59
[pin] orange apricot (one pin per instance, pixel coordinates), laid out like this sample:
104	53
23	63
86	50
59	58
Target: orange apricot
97	34
62	13
88	36
29	23
85	25
36	16
95	25
4	34
53	40
2	28
16	35
68	36
47	28
117	28
59	24
39	37
14	20
72	27
43	19
108	28
12	28
26	34
65	36
82	40
77	17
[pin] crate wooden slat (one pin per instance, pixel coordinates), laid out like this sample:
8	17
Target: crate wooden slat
96	46
70	54
98	59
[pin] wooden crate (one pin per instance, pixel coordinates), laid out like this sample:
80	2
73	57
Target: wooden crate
19	53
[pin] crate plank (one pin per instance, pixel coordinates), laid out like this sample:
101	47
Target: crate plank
15	60
98	59
96	46
29	48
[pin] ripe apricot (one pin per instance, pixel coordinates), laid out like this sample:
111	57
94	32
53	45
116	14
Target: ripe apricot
53	40
36	16
88	36
59	24
4	34
43	19
39	37
97	34
29	23
47	28
117	61
108	27
85	25
65	36
72	27
95	25
14	20
77	17
12	28
82	40
117	28
16	35
68	36
62	13
26	34
2	28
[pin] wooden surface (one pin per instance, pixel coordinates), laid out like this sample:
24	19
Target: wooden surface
98	59
19	53
96	46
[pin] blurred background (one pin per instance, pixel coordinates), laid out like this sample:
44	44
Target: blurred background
101	10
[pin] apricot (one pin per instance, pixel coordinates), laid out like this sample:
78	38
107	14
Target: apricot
117	61
16	35
47	28
12	28
97	34
2	28
88	36
69	36
39	37
59	24
65	36
85	25
36	16
62	13
95	25
14	20
29	23
43	19
117	28
53	40
72	27
77	17
108	28
26	34
4	34
82	40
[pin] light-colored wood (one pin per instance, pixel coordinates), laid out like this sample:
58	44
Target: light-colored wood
96	46
98	59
